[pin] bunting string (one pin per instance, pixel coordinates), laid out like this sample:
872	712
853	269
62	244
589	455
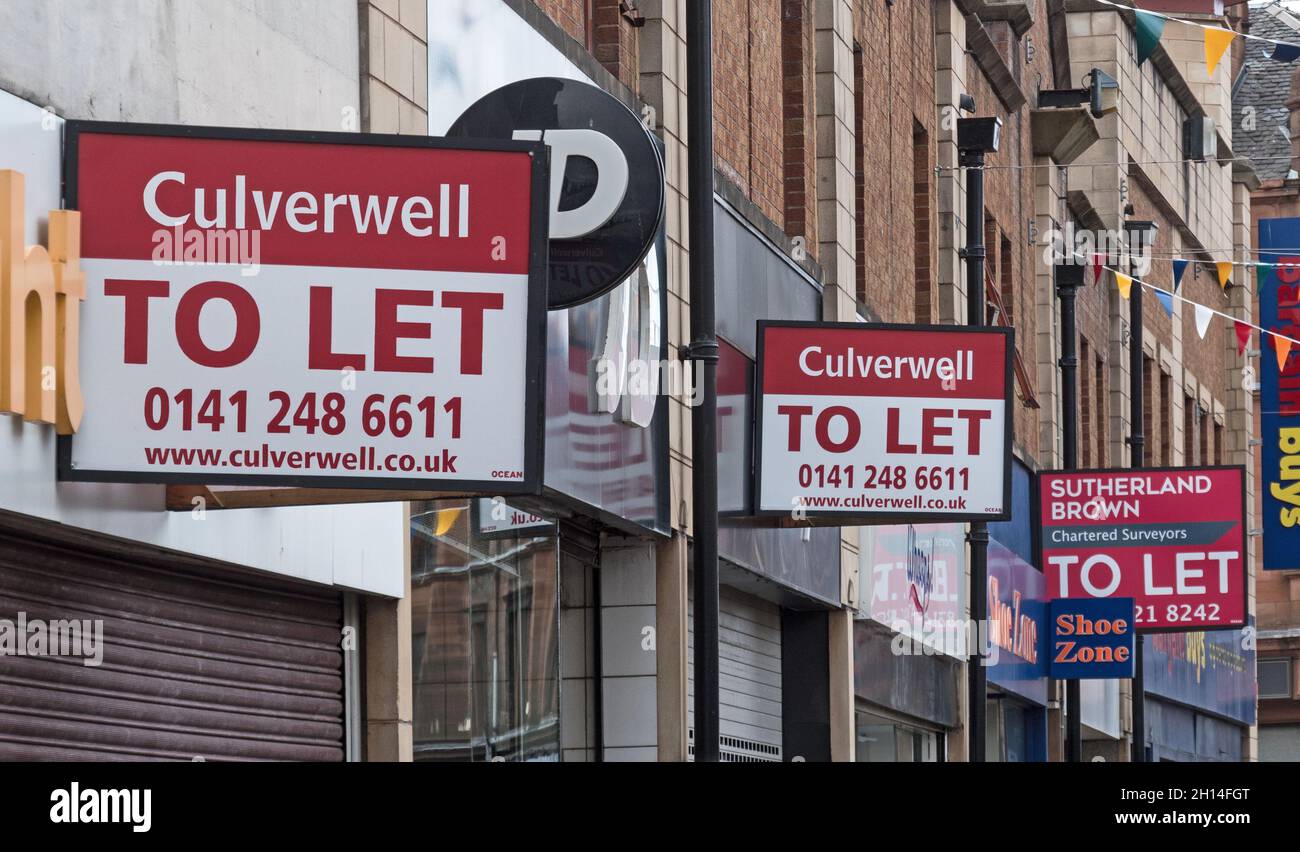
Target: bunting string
1148	15
1019	167
1203	313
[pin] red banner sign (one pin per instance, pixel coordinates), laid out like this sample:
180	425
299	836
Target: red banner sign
1173	539
326	309
884	421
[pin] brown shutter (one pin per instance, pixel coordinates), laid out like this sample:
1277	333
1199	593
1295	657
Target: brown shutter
199	660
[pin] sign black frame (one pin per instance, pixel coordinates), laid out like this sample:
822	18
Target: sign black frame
535	345
849	519
1036	530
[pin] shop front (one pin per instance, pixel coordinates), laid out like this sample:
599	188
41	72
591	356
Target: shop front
534	620
908	640
132	627
1016	721
560	642
1201	694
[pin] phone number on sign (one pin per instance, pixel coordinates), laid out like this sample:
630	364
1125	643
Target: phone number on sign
897	477
398	416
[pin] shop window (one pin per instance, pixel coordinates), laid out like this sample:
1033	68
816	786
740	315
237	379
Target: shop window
1005	268
1203	433
1100	384
1148	413
1166	419
1087	413
798	133
485	633
1275	678
859	175
882	740
921	172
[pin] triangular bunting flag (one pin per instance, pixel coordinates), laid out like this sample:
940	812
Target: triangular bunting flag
1285	52
1203	316
1282	346
1243	335
1096	268
446	520
1180	266
1124	283
1149	29
1166	301
1216	42
1262	271
1225	272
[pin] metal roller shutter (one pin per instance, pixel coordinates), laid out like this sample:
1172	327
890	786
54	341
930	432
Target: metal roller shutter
749	682
199	661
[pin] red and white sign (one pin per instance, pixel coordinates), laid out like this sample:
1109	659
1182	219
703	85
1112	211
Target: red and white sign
884	421
1173	539
361	311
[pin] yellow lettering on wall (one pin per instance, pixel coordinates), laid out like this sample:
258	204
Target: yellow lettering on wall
39	294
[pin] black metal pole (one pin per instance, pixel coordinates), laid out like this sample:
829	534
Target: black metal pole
703	353
973	162
1069	277
1137	443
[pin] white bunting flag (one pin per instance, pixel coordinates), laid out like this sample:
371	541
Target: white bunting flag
1203	315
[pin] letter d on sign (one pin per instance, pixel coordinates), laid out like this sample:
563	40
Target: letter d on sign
611	183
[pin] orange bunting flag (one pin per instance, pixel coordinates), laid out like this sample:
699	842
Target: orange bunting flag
1216	42
1124	283
1282	346
1225	272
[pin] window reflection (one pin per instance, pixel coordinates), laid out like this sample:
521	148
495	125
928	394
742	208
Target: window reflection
484	613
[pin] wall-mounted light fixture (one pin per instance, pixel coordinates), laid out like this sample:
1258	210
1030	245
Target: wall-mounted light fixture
1101	94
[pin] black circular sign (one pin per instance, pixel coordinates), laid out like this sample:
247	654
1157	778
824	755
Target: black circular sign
607	178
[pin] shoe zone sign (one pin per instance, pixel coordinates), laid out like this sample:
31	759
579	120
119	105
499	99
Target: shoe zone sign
876	422
1091	638
319	309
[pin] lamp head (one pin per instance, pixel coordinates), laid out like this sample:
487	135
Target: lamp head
979	134
1103	92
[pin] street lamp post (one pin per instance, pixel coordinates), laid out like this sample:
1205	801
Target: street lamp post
1143	234
703	353
1069	278
975	138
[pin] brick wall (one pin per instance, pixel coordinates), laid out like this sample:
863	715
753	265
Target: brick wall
606	28
614	39
1009	200
895	98
799	131
748	81
572	16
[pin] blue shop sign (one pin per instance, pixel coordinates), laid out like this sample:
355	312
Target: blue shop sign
1279	394
1092	638
1213	670
1017	624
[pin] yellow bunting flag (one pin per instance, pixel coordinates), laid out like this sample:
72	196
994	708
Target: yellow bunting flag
446	520
1225	272
1216	42
1124	283
1282	345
